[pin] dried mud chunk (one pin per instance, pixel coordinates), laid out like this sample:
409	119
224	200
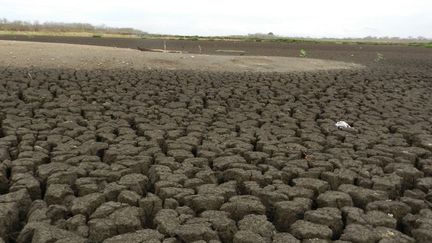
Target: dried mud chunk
27	181
395	208
362	196
296	191
101	229
4	182
240	206
45	170
334	199
306	230
359	234
245	236
426	166
9	219
423	140
44	233
339	177
78	224
88	185
221	222
38	212
424	184
319	186
193	183
127	219
112	190
223	163
388	235
284	238
57	213
25	165
110	155
4	154
93	148
171	240
87	204
422	235
170	203
63	177
114	218
203	202
255	157
21	198
175	193
408	172
194	232
240	175
227	189
180	155
316	240
415	204
257	224
269	198
162	184
167	221
331	217
146	235
135	182
151	204
137	163
287	212
129	197
353	215
391	184
378	218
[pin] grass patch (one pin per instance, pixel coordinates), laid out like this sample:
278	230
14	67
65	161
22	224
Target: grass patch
422	44
303	53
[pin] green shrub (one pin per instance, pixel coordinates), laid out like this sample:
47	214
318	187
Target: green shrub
303	53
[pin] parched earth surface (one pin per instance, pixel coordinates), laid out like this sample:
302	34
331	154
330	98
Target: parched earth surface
127	155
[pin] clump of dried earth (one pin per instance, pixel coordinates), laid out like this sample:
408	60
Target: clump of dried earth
173	156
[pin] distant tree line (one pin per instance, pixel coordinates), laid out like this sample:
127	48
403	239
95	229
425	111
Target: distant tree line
271	35
18	25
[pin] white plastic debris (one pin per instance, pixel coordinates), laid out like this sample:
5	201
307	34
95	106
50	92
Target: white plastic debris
342	124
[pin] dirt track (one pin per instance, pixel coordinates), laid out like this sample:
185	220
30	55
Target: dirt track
179	156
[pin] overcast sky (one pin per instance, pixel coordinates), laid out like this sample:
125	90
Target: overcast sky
300	18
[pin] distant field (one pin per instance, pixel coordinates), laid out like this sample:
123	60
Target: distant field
410	42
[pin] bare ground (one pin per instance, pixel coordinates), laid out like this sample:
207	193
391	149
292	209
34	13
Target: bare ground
179	156
50	55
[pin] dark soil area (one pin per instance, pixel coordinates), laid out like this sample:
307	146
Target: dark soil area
182	156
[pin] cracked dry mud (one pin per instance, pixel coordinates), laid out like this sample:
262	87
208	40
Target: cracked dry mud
182	156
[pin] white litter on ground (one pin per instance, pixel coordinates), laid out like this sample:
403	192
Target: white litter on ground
342	124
